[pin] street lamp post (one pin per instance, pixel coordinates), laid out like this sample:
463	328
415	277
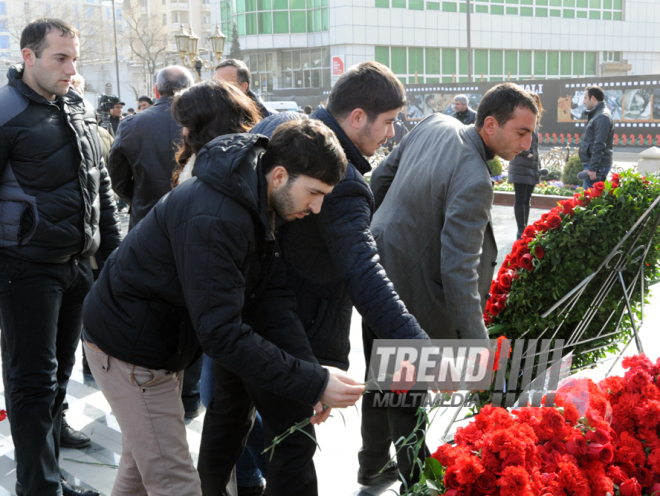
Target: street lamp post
186	44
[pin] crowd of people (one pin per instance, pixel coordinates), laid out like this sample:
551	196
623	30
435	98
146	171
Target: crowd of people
252	236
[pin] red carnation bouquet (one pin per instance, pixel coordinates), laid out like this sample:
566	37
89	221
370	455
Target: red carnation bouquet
613	448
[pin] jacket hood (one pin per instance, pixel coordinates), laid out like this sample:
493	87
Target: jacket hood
15	77
352	153
267	126
231	165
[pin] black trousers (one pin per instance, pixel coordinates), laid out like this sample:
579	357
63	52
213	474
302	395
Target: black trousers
41	308
522	205
227	423
383	424
190	388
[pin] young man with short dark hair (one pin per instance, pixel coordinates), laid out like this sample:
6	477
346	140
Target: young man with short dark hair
203	267
332	264
434	196
57	211
598	138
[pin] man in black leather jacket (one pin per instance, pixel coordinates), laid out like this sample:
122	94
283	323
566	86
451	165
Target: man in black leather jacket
142	156
56	210
463	112
598	139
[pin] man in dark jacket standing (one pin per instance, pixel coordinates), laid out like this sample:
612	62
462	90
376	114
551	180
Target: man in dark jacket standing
57	211
142	156
204	265
332	259
462	111
236	72
598	139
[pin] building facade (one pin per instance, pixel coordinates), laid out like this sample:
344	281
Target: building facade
291	45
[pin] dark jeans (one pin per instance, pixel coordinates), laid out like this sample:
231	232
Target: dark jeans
251	466
227	423
383	424
601	176
522	204
190	388
41	308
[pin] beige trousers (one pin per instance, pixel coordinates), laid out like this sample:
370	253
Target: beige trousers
155	458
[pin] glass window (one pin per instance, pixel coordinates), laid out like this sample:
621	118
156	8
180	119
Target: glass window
250	5
240	6
565	63
280	4
594	14
416	4
482	9
310	21
326	57
317	20
297	4
382	55
512	10
433	6
399	4
496	62
432	61
511	62
385	4
541	12
462	61
594	4
581	14
325	23
416	60
578	63
553	63
399	60
264	5
298	21
3	8
449	7
539	63
281	22
555	13
526	11
525	61
448	62
250	24
590	64
569	13
607	16
481	62
326	78
582	4
265	23
286	61
295	59
304	59
497	9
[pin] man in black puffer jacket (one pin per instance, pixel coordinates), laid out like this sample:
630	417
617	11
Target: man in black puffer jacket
207	250
56	210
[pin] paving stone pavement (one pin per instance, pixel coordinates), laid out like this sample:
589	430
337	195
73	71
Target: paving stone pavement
339	440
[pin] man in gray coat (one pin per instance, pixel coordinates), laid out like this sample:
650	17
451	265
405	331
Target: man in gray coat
433	228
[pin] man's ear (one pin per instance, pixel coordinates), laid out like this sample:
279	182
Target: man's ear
490	125
244	86
357	119
279	176
28	56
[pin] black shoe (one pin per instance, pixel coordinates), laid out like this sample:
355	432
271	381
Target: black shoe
252	490
71	438
194	413
373	478
69	489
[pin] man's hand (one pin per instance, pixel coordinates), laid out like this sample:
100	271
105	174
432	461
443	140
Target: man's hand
341	391
322	413
592	175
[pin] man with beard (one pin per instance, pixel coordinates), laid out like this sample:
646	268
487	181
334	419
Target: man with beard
332	264
204	265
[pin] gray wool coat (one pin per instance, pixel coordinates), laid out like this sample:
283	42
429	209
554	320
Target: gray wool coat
433	226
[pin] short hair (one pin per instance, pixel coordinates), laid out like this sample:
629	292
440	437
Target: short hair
369	86
145	98
595	91
242	70
308	109
306	148
501	102
34	34
130	109
173	79
462	99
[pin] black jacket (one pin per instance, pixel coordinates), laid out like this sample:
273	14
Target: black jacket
265	112
598	139
55	197
206	247
524	168
467	117
332	264
142	157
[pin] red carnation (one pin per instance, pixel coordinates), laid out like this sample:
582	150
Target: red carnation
514	481
554	221
486	483
513	460
630	488
597	189
576	445
539	252
526	261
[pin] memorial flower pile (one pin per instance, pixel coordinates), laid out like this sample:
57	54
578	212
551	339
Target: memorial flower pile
601	439
563	247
